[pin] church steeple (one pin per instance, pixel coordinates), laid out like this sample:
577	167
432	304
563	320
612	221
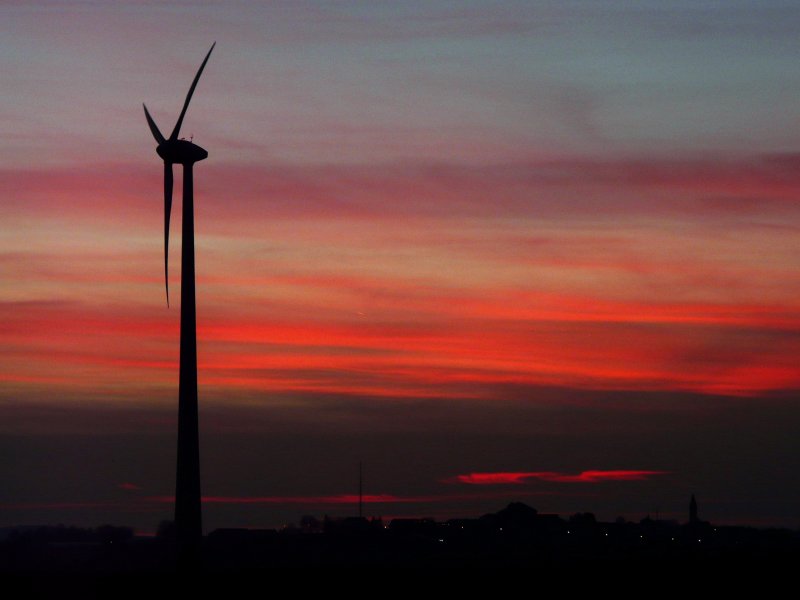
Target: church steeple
693	520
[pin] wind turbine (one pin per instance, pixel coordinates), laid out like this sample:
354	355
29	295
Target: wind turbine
188	519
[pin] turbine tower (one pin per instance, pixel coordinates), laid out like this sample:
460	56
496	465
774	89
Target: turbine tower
188	519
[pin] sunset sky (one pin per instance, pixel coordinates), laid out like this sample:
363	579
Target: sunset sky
498	251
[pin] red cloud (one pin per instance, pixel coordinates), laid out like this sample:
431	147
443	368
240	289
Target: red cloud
340	499
128	486
505	478
345	498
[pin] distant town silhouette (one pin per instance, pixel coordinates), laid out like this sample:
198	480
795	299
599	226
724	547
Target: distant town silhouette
516	536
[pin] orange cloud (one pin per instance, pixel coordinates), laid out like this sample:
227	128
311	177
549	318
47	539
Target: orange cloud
456	298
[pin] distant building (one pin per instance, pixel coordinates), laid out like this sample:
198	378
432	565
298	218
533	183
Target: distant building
418	527
352	525
697	530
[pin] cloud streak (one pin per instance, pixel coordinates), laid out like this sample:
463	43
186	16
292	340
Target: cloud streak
548	185
518	478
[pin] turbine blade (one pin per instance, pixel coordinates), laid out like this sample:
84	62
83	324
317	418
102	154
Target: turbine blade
177	129
167	211
153	127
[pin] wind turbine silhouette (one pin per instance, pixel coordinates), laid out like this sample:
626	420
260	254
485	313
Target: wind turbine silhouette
188	518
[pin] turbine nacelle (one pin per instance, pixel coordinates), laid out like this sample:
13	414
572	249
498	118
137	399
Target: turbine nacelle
181	152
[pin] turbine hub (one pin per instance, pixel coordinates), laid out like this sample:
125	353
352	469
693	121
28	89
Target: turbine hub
181	152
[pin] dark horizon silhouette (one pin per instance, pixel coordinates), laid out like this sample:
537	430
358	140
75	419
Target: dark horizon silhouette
188	509
515	536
